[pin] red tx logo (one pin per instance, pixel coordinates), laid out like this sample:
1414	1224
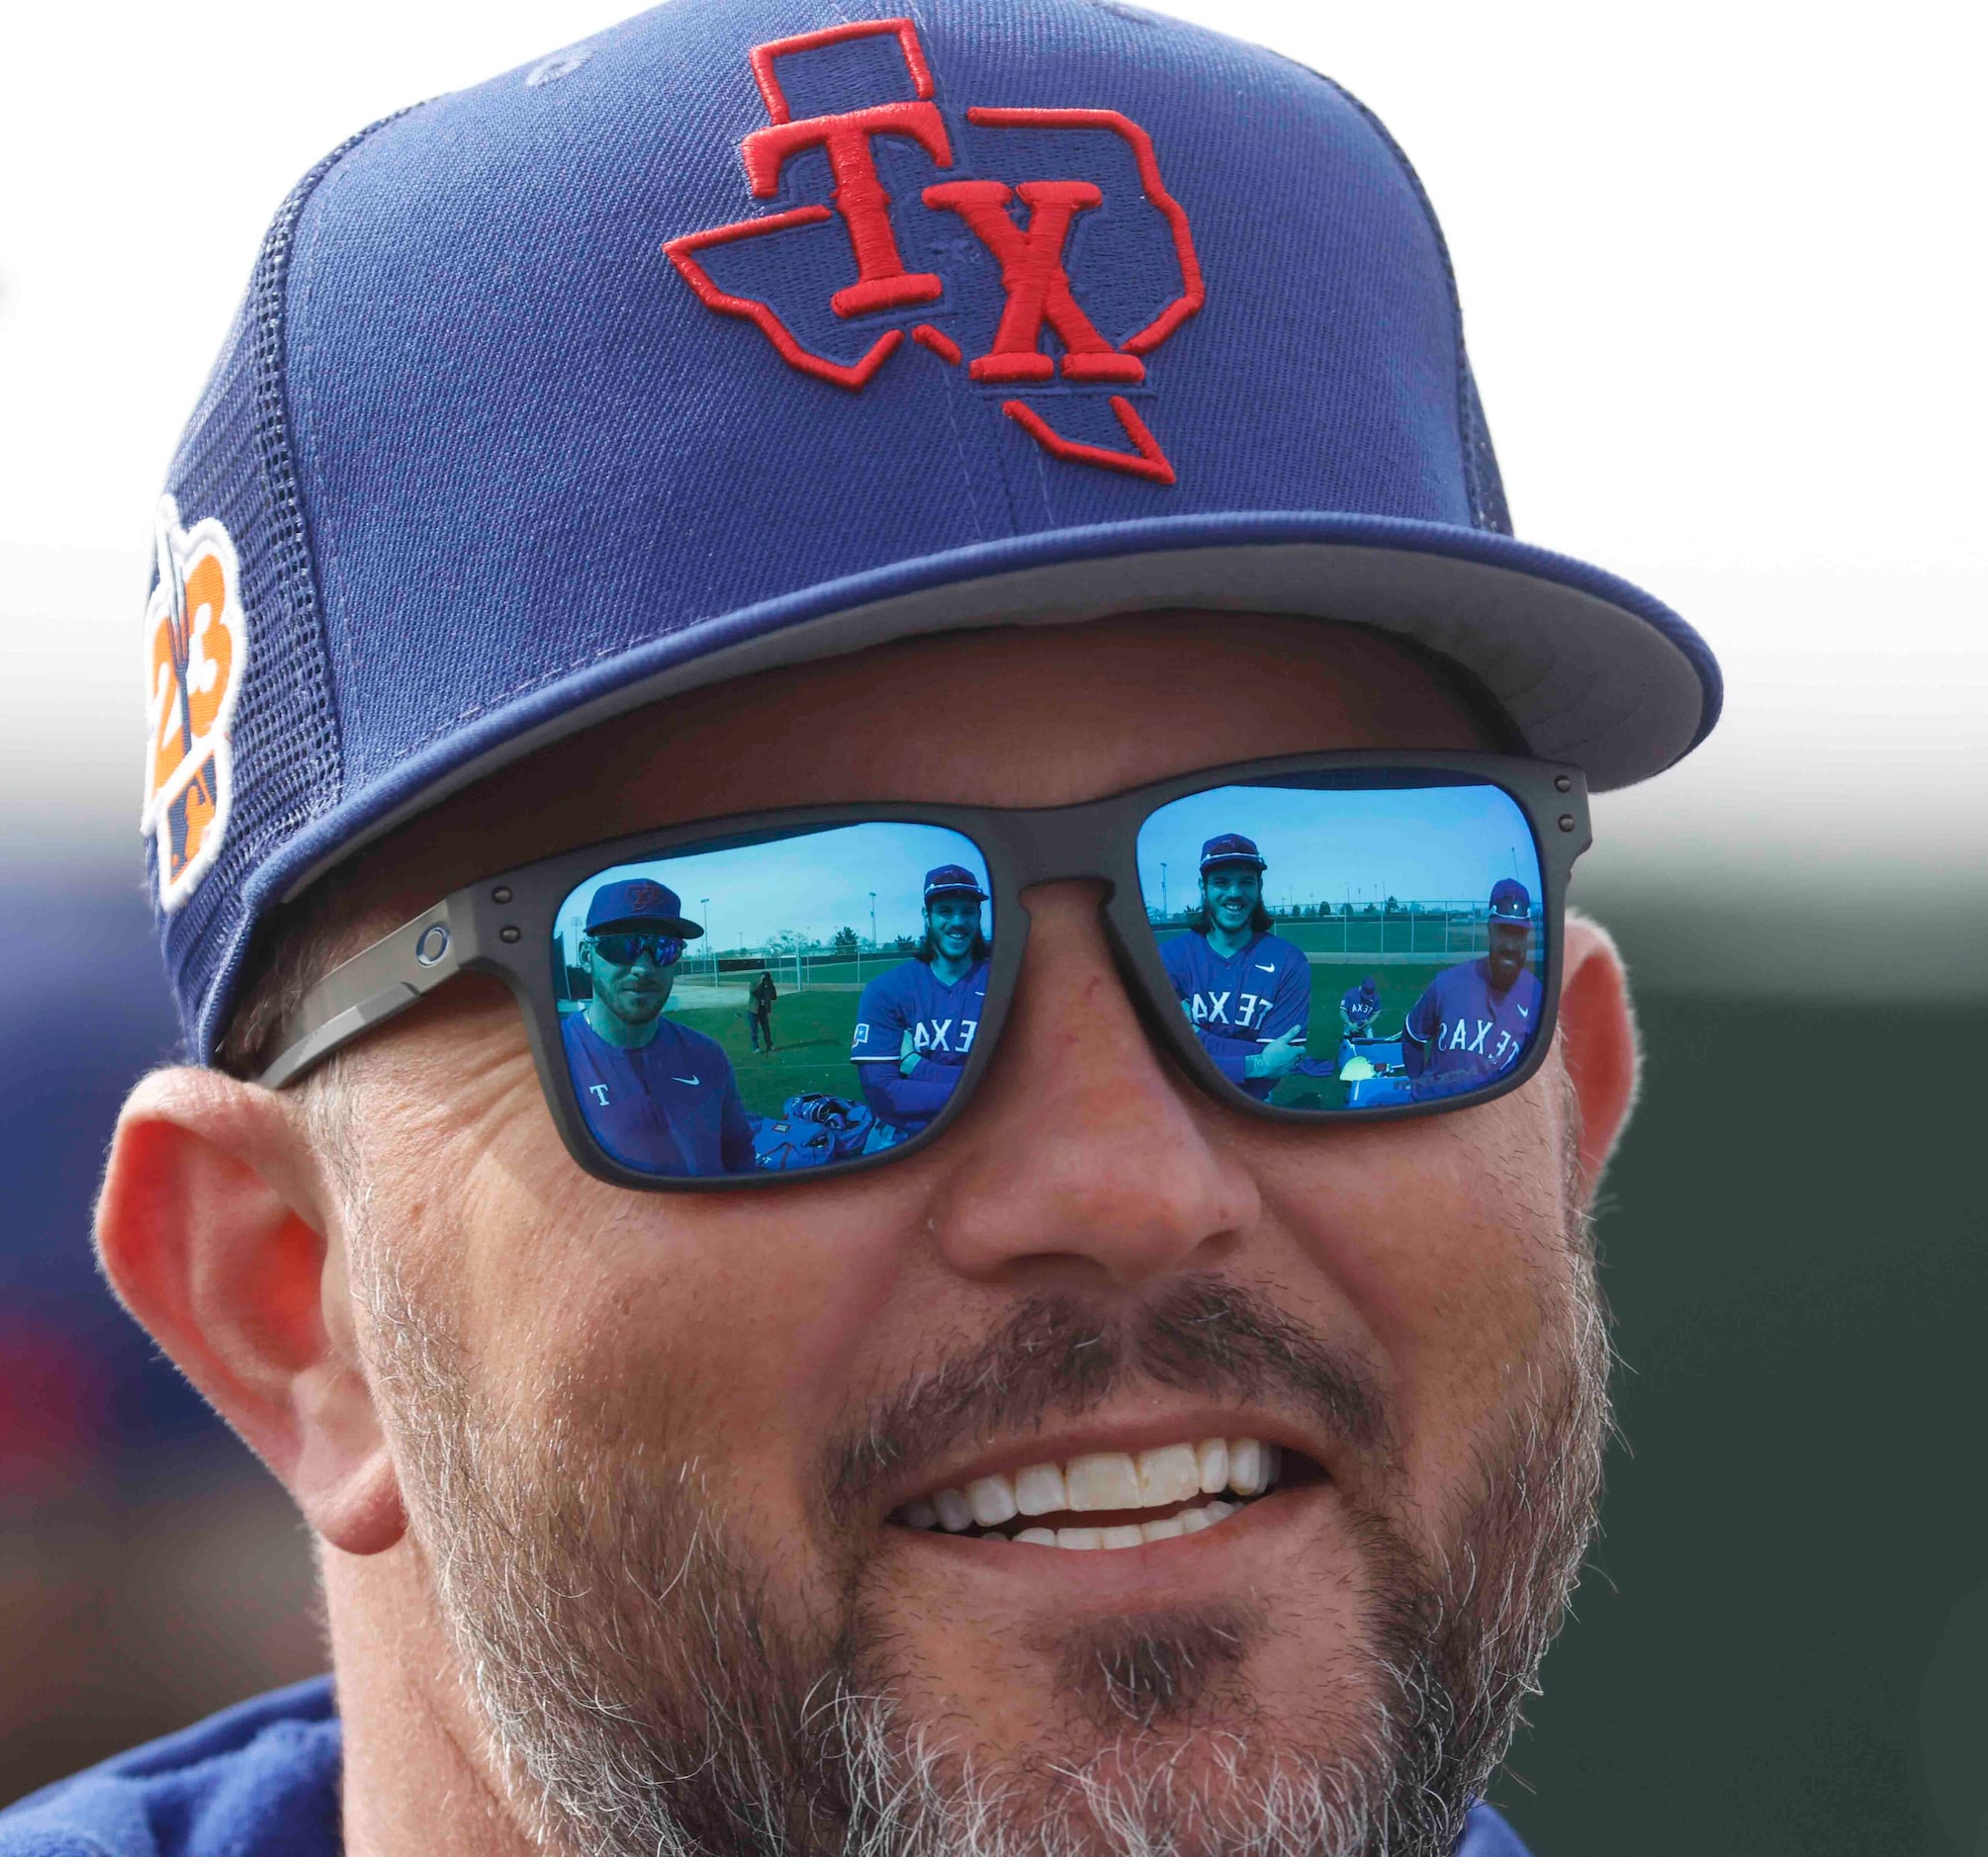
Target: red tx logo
1030	253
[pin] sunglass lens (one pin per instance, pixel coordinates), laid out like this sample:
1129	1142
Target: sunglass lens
1351	942
808	997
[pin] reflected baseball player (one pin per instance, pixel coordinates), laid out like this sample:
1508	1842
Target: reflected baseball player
1359	1007
657	1095
1474	1019
914	1030
1247	990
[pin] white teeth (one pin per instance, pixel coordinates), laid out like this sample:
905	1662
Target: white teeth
1039	1490
993	1500
1169	1474
1121	1537
1038	1537
1163	1529
955	1512
1106	1479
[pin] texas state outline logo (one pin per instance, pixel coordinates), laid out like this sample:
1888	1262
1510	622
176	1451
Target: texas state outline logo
989	235
196	653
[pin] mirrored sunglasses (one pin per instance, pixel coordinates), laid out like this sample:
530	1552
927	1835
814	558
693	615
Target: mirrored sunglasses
624	950
1388	947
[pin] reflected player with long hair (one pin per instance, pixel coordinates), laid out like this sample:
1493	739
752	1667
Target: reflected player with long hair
915	1027
1247	990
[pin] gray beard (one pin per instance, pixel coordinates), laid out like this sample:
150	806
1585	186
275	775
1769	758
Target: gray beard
647	1694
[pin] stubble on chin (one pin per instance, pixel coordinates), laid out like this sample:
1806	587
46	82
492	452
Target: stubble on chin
651	1683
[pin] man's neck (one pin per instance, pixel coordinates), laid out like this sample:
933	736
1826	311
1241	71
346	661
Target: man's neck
1228	943
413	1783
949	972
620	1032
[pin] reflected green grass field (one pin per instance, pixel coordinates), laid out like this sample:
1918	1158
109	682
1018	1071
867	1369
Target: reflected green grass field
811	1034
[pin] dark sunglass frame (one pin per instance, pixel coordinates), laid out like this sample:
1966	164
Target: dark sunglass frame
504	925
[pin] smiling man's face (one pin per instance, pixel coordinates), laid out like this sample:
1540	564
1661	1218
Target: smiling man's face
660	1453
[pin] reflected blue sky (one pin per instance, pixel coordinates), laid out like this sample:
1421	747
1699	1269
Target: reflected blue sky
1446	844
810	886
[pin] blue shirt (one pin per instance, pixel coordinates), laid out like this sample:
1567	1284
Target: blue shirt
941	1021
261	1780
1241	1003
669	1106
1468	1033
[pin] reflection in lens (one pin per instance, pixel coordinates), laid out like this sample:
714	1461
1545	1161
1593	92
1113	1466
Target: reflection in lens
1475	1018
1247	990
1352	943
915	1028
718	1005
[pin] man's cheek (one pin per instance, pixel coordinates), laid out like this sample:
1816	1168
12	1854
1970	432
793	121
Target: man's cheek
1447	1237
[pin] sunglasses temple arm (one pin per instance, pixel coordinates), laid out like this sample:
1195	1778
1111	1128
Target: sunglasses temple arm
376	985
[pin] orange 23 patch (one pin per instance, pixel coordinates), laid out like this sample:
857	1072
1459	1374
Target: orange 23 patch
196	653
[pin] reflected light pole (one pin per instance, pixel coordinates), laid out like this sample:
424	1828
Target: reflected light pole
704	904
873	921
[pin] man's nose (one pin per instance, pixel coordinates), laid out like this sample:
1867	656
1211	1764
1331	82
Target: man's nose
1081	1145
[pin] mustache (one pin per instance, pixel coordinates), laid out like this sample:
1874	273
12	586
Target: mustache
1058	1354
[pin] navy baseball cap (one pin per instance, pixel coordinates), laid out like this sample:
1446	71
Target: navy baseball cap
755	330
953	881
640	904
1510	901
1231	848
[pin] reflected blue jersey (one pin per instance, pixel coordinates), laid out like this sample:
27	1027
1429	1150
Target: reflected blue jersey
1465	1032
1241	1003
670	1106
942	1022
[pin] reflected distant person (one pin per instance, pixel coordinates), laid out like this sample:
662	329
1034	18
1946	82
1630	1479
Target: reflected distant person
1359	1007
914	1030
1474	1020
760	1020
659	1097
1247	990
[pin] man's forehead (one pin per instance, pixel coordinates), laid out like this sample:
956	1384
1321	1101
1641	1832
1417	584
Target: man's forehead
1004	716
840	729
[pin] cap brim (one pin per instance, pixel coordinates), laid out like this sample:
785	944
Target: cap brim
646	924
1588	668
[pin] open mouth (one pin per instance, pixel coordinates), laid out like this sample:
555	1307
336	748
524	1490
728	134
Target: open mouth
1111	1498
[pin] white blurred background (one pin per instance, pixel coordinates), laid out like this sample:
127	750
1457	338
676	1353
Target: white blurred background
1720	269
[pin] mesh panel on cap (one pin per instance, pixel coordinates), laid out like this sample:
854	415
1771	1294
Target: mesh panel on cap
233	463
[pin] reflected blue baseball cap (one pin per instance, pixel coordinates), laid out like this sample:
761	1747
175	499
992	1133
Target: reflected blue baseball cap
640	903
953	881
1510	901
1231	848
755	330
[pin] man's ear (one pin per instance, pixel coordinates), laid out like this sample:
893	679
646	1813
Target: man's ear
213	1228
1599	1041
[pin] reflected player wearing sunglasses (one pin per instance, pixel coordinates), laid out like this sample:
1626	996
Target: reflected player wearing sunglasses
775	453
658	1097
